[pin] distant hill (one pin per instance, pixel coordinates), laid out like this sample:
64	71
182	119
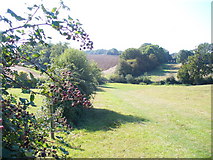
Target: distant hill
104	61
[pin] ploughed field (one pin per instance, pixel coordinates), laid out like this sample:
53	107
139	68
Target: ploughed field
105	62
144	121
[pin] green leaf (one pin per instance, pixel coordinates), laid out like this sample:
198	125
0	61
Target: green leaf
27	91
69	18
32	97
32	76
23	100
35	55
19	18
54	9
45	63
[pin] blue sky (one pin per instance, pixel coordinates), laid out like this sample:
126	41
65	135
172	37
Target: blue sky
122	24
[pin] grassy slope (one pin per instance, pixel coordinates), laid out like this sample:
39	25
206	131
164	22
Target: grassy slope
146	121
164	71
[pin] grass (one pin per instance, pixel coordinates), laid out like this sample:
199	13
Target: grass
133	121
164	71
39	99
144	121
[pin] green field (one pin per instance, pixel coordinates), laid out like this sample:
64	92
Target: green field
144	121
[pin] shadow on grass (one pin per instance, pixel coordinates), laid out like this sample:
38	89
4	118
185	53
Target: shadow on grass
101	87
103	119
163	70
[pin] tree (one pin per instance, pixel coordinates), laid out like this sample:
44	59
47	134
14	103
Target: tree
204	48
84	72
131	53
183	56
113	51
56	50
161	54
195	70
21	135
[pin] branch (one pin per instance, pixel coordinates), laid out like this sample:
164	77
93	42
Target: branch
24	26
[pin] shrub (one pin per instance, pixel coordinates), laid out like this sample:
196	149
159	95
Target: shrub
130	79
117	78
171	80
143	79
86	75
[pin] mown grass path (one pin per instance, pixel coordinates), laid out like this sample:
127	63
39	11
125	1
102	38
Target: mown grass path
135	121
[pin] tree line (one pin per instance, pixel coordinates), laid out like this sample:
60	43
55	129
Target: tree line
135	62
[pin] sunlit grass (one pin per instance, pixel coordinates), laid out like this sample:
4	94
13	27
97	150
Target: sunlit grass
146	122
39	99
143	121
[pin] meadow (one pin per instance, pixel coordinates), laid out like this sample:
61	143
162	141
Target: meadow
144	121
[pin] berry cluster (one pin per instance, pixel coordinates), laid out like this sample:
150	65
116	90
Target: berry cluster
66	92
21	130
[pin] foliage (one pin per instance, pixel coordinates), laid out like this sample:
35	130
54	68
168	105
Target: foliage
130	79
195	70
23	136
86	75
23	79
57	49
144	79
161	54
117	78
138	61
65	95
112	51
183	56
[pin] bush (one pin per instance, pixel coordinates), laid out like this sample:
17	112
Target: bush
130	79
117	78
143	79
171	80
86	75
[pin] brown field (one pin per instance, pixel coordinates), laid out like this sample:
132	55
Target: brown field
104	61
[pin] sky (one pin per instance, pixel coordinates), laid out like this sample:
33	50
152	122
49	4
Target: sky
122	24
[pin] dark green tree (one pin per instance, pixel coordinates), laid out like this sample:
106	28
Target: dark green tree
183	56
195	70
131	53
161	54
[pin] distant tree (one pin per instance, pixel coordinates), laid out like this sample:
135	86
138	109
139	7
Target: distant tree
131	53
57	49
154	60
124	67
183	56
195	70
161	54
144	45
204	48
113	51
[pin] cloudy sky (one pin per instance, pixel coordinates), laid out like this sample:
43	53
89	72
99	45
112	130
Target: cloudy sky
122	24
